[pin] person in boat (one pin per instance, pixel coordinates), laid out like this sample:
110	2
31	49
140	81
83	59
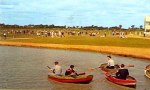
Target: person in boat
71	71
57	70
110	63
147	67
122	73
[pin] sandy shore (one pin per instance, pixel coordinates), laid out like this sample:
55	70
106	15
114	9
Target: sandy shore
143	53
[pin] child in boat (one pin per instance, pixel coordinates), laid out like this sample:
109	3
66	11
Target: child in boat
122	72
110	63
71	72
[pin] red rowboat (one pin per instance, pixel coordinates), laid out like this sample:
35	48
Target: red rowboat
147	71
68	79
129	82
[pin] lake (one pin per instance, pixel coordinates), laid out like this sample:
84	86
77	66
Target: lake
25	68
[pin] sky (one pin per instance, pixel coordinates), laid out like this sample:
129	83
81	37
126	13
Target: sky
75	12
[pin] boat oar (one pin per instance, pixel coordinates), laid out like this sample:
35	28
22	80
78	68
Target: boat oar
90	69
49	67
81	73
130	65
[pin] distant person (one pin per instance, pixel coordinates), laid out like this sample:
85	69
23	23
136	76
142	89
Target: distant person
52	34
71	71
62	33
4	35
57	70
144	34
110	63
122	72
105	34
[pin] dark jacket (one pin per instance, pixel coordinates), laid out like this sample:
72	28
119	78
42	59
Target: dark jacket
122	73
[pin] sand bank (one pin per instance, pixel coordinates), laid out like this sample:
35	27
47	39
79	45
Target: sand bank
143	53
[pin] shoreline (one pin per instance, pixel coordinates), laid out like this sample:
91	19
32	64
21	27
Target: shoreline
142	53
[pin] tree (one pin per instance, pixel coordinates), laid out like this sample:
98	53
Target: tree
132	26
77	26
141	27
120	26
92	26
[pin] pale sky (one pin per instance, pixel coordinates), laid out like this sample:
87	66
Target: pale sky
75	12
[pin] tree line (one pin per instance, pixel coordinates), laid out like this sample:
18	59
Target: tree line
119	27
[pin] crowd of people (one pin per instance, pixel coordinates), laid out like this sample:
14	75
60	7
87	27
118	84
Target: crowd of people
49	33
63	33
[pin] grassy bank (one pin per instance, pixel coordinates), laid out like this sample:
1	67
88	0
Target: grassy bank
133	47
86	40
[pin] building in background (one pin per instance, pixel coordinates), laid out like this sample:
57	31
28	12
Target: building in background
147	25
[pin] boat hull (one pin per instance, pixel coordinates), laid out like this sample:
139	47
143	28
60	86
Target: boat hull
147	71
66	79
129	82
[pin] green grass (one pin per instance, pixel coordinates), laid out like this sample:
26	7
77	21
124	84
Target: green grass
87	40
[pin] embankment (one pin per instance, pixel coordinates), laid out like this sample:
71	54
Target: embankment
143	53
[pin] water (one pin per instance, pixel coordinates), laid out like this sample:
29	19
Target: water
25	68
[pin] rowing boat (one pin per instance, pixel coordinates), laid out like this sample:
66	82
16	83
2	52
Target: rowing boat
68	79
147	71
129	82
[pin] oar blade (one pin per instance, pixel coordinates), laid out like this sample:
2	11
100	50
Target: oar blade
48	67
130	65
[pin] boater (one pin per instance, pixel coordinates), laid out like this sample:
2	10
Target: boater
110	63
70	71
122	73
57	70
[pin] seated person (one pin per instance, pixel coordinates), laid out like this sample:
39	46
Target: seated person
110	63
70	71
57	70
122	73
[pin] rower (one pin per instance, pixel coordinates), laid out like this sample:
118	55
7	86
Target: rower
71	71
122	73
57	70
110	63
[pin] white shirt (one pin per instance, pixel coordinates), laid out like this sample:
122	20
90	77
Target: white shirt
57	69
111	62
